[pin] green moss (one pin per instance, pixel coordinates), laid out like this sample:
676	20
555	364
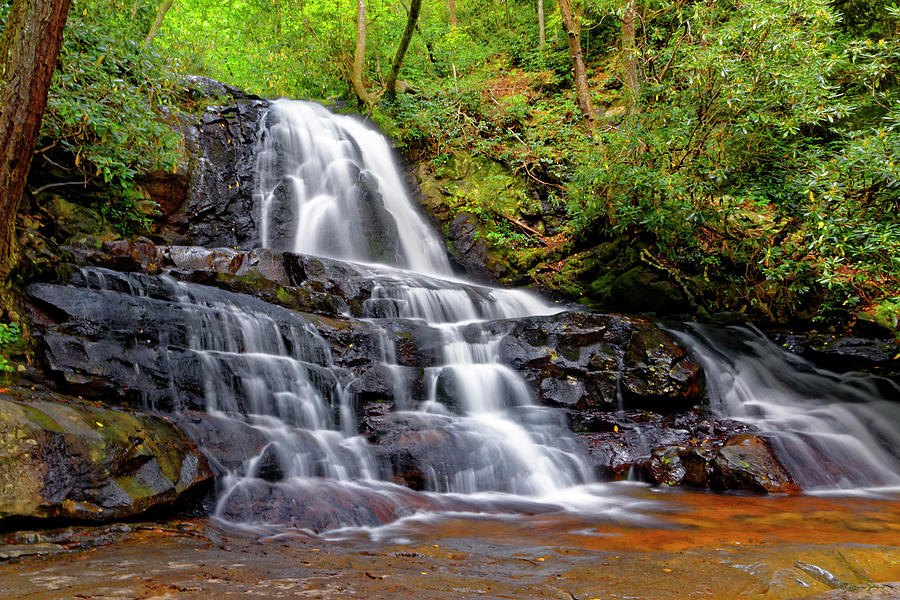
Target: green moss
41	419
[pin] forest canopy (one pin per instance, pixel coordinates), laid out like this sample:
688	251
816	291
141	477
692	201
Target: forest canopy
747	149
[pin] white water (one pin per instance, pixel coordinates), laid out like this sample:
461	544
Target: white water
316	173
322	177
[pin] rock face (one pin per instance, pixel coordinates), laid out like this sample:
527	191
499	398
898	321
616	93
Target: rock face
576	360
218	210
62	458
129	341
587	361
878	356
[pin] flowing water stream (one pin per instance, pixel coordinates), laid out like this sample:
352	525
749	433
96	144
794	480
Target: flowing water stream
327	186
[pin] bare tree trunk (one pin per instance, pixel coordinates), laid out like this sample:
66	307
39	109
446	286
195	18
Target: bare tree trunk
359	56
572	25
278	18
451	10
414	8
29	49
629	54
542	32
157	22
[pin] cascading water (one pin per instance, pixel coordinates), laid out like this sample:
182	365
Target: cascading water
830	431
327	186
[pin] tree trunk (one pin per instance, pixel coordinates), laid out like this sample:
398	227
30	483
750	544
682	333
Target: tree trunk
359	56
414	7
542	33
29	49
278	18
451	10
629	54
157	22
572	25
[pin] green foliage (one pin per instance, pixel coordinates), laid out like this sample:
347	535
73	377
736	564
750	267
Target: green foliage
741	147
10	334
110	105
758	162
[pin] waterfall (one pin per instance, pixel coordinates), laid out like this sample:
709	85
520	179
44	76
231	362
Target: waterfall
327	186
426	417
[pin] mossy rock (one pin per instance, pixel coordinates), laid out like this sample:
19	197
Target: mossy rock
64	458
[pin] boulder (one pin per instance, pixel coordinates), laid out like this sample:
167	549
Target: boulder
64	458
747	462
879	356
651	446
599	361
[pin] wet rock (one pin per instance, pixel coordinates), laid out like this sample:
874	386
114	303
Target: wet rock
436	452
225	442
130	341
660	449
479	261
567	391
323	504
665	467
657	373
409	443
62	458
218	210
747	462
871	591
379	228
878	356
11	551
269	466
588	360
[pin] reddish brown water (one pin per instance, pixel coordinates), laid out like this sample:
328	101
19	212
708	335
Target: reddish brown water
691	546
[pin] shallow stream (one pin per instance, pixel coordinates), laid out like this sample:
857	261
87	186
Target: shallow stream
670	545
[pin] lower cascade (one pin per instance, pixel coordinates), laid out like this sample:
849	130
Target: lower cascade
831	432
366	384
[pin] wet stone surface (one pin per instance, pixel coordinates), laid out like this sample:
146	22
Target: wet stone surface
123	336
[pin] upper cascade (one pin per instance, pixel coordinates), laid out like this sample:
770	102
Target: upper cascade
328	185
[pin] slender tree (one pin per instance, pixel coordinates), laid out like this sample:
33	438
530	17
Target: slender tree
414	8
29	49
359	56
542	33
451	12
629	54
157	22
572	25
